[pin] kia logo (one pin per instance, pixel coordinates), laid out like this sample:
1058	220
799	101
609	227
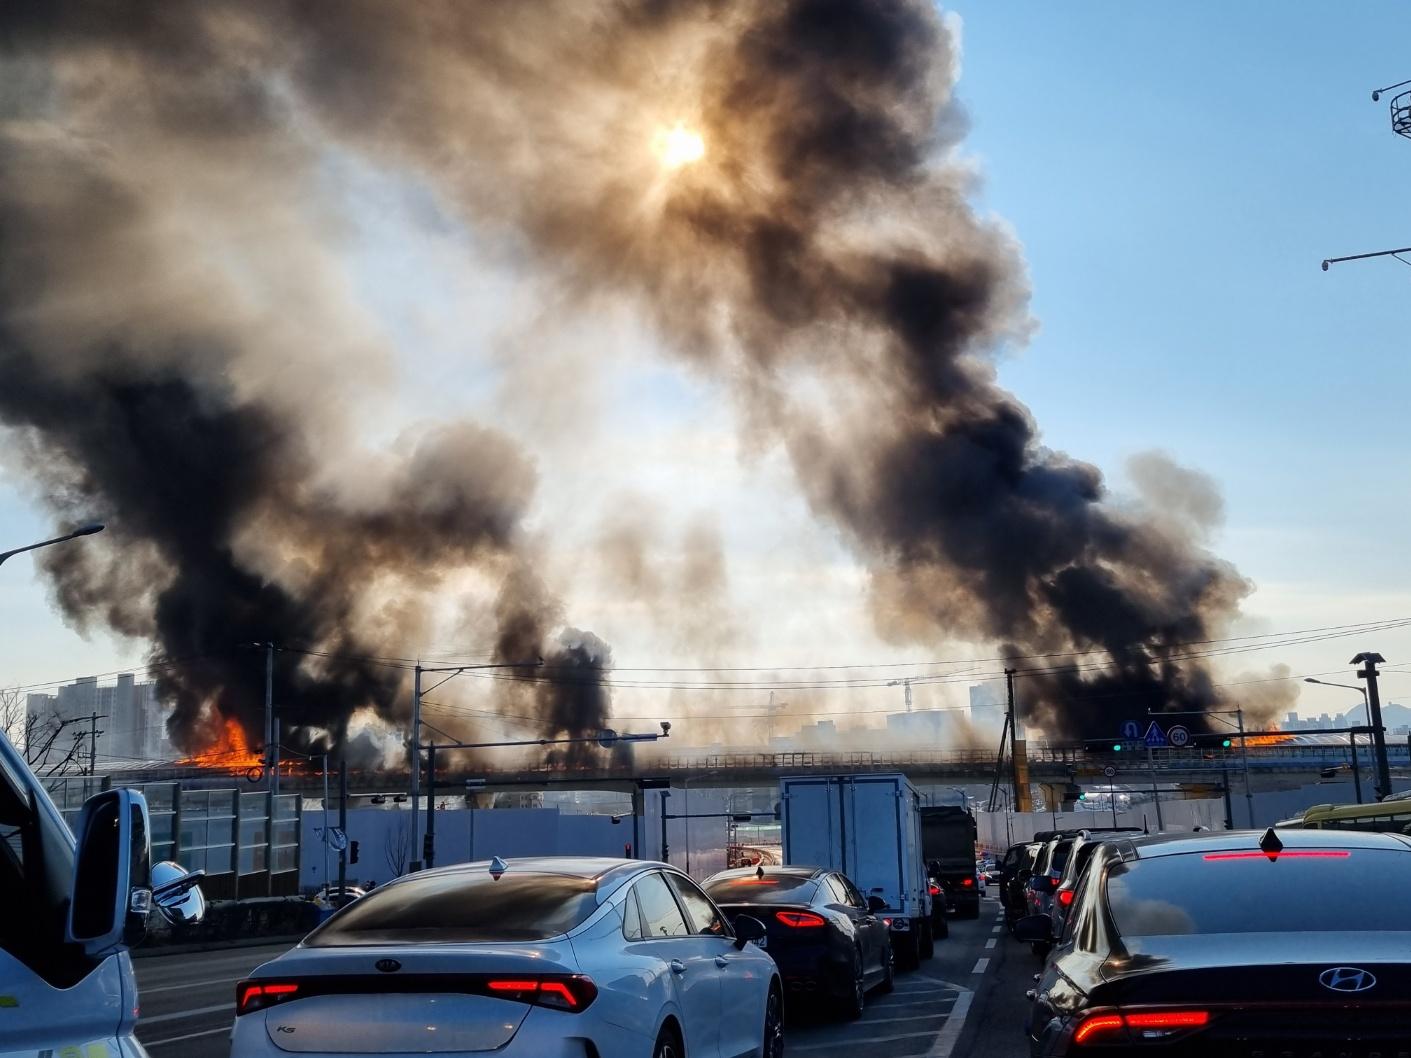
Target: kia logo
388	966
1347	979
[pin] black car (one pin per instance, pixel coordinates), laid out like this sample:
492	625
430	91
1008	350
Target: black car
827	940
1289	945
1015	869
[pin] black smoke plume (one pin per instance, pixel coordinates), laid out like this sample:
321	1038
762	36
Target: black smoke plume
822	256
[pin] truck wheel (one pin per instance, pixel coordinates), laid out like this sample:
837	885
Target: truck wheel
928	942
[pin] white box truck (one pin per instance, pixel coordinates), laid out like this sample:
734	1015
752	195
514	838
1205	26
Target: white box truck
72	910
868	827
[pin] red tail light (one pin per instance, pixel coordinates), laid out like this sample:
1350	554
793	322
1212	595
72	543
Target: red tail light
1100	1025
562	993
257	995
1150	1026
800	919
1065	897
1298	854
967	882
935	889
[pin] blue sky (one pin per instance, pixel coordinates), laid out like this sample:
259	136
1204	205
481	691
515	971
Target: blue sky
1175	173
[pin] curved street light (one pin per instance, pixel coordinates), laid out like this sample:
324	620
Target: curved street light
87	530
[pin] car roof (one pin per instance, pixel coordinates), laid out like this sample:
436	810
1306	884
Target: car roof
597	868
1158	845
748	872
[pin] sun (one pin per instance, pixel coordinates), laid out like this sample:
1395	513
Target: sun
679	146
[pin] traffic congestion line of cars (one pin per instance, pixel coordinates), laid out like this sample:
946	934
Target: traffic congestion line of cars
1262	944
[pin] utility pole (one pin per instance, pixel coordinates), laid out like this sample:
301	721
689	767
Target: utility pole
343	825
1244	757
271	752
1370	660
1023	797
428	852
414	766
665	849
93	734
1155	793
772	709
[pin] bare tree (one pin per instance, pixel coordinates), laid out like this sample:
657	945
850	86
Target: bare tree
12	714
398	844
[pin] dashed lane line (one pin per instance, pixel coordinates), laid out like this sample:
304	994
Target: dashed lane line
990	944
981	965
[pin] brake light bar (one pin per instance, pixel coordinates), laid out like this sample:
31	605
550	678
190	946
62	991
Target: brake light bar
1296	854
257	995
562	993
1145	1026
800	919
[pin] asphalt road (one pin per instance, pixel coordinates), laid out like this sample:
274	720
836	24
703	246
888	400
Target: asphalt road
967	1002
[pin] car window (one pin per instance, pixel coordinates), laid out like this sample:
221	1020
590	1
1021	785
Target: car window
631	918
704	917
854	896
661	916
837	894
770	889
1058	857
462	906
1338	890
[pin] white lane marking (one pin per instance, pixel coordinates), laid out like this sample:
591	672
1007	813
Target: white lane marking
950	1033
918	1003
997	929
191	984
913	1017
188	1036
990	944
179	1014
981	965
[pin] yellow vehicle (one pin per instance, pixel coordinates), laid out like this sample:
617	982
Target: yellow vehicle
1392	815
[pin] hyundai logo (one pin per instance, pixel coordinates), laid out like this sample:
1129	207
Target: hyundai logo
1347	979
389	966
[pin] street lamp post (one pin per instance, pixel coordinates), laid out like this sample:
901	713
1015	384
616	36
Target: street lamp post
87	530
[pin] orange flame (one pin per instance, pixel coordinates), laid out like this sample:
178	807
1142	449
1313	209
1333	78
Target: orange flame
231	750
1267	740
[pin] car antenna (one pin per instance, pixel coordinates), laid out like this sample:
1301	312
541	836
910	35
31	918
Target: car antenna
1270	845
497	868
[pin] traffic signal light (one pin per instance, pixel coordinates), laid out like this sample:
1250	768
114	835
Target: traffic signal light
1116	747
1225	744
1083	796
352	852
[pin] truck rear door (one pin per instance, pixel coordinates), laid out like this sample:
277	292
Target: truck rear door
876	839
813	823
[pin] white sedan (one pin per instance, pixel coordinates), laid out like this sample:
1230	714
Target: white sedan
540	958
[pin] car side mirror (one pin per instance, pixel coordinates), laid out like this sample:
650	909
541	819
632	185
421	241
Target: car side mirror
112	885
875	904
748	928
177	893
1034	928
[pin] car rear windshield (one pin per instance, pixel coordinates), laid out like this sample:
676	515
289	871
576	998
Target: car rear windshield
1363	890
1060	856
771	889
461	907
